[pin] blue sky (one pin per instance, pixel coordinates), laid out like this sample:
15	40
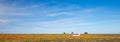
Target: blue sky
58	16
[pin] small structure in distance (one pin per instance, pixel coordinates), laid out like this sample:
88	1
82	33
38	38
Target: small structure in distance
75	34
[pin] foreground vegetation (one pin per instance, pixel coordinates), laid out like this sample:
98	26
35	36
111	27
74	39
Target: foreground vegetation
59	38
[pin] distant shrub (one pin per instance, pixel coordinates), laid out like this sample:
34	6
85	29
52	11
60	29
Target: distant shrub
86	33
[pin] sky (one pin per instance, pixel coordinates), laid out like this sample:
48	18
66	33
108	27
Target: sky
58	16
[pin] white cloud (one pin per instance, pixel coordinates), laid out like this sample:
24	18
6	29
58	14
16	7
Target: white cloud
3	21
72	12
6	10
62	23
42	5
60	13
72	23
88	10
60	10
51	11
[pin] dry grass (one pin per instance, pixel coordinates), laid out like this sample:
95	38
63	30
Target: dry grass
59	38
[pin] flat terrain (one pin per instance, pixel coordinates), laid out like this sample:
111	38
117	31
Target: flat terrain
59	38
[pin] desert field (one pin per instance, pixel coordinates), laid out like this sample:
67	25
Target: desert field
59	38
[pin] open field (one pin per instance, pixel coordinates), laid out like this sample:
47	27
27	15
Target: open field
59	38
